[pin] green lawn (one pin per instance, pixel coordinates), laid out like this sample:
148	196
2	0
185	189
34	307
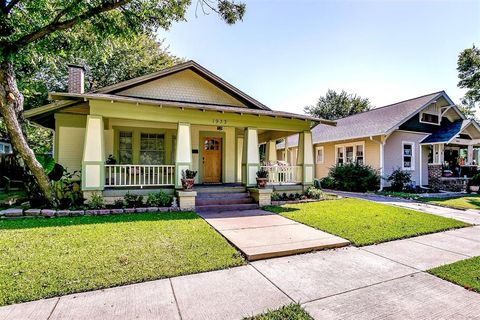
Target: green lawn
290	312
465	273
41	258
365	222
466	202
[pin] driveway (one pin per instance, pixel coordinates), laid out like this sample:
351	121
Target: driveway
385	281
260	234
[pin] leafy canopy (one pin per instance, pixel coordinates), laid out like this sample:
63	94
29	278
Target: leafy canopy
335	105
468	67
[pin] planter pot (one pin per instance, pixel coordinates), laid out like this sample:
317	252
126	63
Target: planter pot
187	184
474	188
261	183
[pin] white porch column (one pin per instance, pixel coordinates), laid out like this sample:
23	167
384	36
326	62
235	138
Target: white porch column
305	157
183	153
271	151
250	157
239	159
469	154
93	162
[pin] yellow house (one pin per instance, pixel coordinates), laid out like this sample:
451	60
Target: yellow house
427	136
144	132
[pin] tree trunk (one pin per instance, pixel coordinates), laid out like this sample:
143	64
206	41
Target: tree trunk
11	109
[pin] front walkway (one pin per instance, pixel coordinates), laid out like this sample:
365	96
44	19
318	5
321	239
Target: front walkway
385	281
468	216
260	234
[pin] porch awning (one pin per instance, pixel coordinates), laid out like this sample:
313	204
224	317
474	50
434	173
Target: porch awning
448	132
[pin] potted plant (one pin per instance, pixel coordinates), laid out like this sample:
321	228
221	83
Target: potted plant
188	179
111	160
475	183
262	178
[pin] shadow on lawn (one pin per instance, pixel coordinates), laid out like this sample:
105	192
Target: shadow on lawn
279	209
86	220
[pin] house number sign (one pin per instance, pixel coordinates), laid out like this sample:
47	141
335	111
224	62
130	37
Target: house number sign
219	121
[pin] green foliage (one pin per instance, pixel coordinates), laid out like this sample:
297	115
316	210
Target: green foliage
365	222
338	105
76	254
468	67
262	174
132	200
327	183
96	201
475	180
399	179
314	193
67	191
289	312
159	199
119	204
354	177
47	162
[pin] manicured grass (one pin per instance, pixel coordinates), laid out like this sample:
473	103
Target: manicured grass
465	273
465	202
41	258
365	222
290	312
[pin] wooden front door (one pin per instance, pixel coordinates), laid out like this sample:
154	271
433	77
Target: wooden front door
212	160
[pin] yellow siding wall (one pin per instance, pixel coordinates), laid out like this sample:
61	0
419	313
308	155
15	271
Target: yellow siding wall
183	86
371	155
69	138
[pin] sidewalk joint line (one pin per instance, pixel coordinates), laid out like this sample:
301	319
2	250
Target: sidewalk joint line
175	299
363	287
432	246
274	284
53	309
379	255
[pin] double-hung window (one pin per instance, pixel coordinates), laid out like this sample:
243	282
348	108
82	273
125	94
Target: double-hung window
408	154
319	155
152	148
350	153
125	143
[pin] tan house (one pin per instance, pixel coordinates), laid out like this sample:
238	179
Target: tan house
158	125
427	136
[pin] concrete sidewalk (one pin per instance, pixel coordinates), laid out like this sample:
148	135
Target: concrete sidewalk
384	281
468	216
261	234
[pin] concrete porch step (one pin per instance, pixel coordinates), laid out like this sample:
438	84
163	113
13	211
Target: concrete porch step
222	201
226	207
218	189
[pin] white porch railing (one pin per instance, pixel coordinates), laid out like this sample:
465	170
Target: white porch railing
126	175
283	174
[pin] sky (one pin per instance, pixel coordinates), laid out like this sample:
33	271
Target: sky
286	54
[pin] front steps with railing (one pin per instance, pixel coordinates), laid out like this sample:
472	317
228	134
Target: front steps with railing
223	198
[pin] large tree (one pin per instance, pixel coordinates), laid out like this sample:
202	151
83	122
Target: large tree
33	28
468	67
336	105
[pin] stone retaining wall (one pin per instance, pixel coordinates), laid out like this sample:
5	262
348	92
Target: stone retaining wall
50	213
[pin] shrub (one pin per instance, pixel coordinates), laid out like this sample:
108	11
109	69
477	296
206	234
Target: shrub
159	199
327	183
96	202
475	180
314	193
118	204
399	179
354	177
132	200
68	191
275	197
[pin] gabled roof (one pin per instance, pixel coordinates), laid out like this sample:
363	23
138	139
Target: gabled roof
449	131
378	121
192	65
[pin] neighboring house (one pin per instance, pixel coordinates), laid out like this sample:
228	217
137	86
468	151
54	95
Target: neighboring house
158	125
427	136
5	145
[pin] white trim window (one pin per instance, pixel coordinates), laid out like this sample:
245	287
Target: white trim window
319	155
408	155
5	148
350	153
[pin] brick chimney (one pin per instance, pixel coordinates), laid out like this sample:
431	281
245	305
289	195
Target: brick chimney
76	78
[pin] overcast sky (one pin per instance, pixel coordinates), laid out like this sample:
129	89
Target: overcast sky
288	53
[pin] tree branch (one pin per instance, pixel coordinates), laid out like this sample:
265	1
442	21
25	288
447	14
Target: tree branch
67	24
